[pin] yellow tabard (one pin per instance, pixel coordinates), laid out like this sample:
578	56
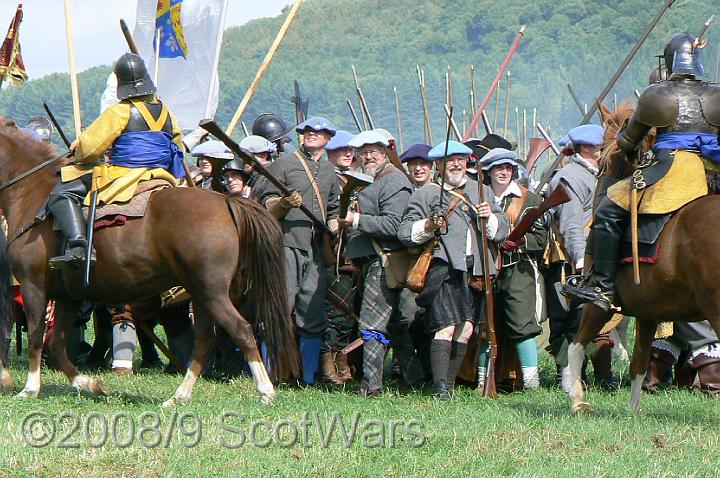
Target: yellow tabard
685	181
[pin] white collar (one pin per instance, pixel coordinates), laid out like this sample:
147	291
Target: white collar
585	163
512	190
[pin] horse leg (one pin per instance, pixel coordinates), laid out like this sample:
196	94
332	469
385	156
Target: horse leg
644	335
593	319
65	316
204	341
240	330
35	310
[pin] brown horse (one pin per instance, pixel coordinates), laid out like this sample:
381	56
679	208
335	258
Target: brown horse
222	250
681	286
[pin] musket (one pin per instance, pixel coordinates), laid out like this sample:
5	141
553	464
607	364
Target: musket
444	161
354	115
361	99
55	123
451	123
493	85
397	117
244	128
211	127
551	169
537	147
530	215
705	27
626	62
489	390
486	123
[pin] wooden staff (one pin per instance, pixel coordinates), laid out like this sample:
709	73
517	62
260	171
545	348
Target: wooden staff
397	117
507	103
363	105
73	69
448	88
497	106
451	123
354	115
524	142
263	67
517	129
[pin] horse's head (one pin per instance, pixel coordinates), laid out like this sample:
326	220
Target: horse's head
614	162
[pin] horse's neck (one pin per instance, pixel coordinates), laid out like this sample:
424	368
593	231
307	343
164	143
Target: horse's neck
23	200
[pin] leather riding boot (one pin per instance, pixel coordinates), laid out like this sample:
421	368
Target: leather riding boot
659	371
327	369
608	229
68	215
343	369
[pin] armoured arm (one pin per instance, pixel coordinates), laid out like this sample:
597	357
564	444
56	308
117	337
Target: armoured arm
632	135
102	133
657	107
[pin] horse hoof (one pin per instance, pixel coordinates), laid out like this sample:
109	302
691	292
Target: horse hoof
26	394
98	387
6	382
267	399
582	408
174	401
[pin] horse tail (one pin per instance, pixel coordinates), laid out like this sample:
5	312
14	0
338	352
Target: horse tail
5	299
262	261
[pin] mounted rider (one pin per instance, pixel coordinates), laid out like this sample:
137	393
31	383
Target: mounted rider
144	142
686	113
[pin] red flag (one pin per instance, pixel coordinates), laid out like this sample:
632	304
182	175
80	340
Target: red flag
11	62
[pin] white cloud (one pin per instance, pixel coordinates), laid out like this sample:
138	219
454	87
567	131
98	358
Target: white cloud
96	29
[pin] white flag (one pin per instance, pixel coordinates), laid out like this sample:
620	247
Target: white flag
189	85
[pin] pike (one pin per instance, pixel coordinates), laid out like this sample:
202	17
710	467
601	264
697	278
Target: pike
493	85
211	127
451	122
423	99
576	99
363	104
549	171
397	116
486	123
507	103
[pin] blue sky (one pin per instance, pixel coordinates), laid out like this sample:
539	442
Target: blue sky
97	36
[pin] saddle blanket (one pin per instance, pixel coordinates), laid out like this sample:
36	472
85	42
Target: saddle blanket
117	214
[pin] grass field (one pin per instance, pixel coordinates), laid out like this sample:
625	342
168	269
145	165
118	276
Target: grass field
677	433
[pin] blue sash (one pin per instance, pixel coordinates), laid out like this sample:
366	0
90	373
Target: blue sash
706	143
147	149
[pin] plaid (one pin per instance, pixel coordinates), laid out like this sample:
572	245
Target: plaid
341	329
379	312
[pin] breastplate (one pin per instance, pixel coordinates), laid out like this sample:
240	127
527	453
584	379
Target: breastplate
690	116
138	123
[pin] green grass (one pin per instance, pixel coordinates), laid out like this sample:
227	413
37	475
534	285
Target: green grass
677	433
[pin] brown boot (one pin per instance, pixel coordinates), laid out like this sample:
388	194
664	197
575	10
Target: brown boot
328	370
343	369
659	368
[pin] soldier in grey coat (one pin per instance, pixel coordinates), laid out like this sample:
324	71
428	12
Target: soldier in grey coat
372	231
305	265
573	220
451	306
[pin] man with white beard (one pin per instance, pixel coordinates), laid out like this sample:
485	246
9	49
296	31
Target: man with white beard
451	305
372	227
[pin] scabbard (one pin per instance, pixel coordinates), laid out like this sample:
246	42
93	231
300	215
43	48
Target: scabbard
352	346
634	234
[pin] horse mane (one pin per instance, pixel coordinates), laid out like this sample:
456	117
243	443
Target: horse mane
613	162
19	153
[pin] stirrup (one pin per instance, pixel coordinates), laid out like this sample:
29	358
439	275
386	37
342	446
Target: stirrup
576	289
74	257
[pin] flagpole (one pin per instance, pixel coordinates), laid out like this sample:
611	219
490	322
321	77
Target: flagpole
157	57
263	67
73	69
215	79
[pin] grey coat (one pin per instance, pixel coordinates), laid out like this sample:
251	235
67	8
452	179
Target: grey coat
573	217
453	245
381	205
297	228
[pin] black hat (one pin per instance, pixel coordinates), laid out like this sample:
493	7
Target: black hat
481	147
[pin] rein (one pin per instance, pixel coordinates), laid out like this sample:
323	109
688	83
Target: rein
33	170
16	179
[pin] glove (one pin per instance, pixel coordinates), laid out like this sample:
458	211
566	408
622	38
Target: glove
510	246
279	207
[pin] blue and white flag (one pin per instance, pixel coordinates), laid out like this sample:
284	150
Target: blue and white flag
190	37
